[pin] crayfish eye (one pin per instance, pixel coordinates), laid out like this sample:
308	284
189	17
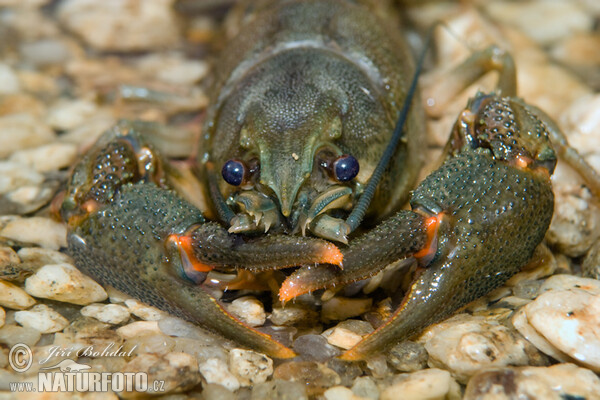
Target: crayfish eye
234	171
345	168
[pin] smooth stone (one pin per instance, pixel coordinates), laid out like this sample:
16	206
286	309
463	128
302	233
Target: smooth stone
45	52
428	384
279	389
408	356
215	370
22	131
113	314
49	157
38	257
177	327
8	257
41	318
342	308
9	81
314	348
69	114
85	332
566	282
591	263
157	344
201	351
64	282
348	333
365	388
561	381
37	230
143	311
178	371
15	175
212	391
340	393
13	334
315	376
12	296
2	317
249	310
138	328
292	314
521	324
249	366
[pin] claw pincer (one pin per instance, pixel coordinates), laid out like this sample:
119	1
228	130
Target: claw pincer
127	230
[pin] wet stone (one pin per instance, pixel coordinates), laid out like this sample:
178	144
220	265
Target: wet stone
64	282
2	317
249	310
249	366
567	282
215	370
315	376
41	318
177	327
348	333
9	81
591	263
37	257
198	349
89	332
158	344
292	314
282	334
37	230
279	389
70	114
13	334
408	356
212	391
428	384
113	314
138	328
340	393
347	370
366	388
378	366
342	308
50	157
143	311
12	296
315	348
21	131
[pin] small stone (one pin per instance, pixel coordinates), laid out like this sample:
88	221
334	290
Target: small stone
21	131
16	175
466	344
570	321
200	351
178	371
114	25
37	230
561	381
41	318
347	370
348	333
158	344
366	388
143	311
282	334
314	348
38	257
64	282
591	263
212	391
8	257
316	377
70	114
279	389
12	296
292	314
428	384
216	371
45	52
49	157
87	332
378	366
249	310
408	356
138	328
13	334
250	367
340	393
566	282
342	308
2	317
9	81
113	314
179	328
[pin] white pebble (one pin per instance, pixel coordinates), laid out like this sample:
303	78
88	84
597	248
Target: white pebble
21	131
570	321
50	157
12	296
41	318
37	230
15	175
68	115
342	337
39	256
341	308
2	317
428	384
340	393
64	282
566	282
250	367
143	311
113	314
249	310
9	81
216	371
138	328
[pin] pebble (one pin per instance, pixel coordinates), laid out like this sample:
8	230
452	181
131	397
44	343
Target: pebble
179	328
64	282
249	310
41	318
21	131
138	328
279	389
215	370
212	391
249	366
49	157
179	371
566	282
342	308
12	296
2	317
173	69
315	376
9	81
158	344
143	311
13	334
378	366
201	351
591	263
408	356
561	381
115	25
293	314
69	114
348	333
313	347
113	314
45	52
85	332
428	384
365	388
466	344
38	257
570	321
340	393
37	230
16	175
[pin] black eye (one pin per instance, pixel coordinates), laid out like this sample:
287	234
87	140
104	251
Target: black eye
234	172
345	168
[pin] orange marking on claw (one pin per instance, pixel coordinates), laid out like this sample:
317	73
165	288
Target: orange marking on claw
431	226
184	243
332	255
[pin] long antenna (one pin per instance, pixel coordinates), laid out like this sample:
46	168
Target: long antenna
358	212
